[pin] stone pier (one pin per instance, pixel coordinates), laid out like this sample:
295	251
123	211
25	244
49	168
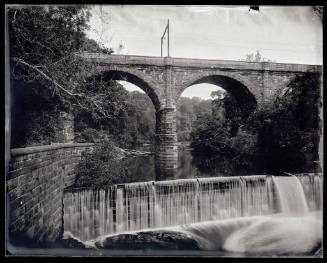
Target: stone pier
166	157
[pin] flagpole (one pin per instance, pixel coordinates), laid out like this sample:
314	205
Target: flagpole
168	37
161	46
162	38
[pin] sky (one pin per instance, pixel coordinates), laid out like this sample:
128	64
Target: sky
281	33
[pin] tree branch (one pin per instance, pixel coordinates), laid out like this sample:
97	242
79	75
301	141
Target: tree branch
20	61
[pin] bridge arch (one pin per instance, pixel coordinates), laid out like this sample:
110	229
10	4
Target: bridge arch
236	87
133	77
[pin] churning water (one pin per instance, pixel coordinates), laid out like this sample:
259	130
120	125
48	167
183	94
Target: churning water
248	214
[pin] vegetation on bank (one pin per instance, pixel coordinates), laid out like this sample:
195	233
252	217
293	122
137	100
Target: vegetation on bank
47	78
44	41
281	136
107	165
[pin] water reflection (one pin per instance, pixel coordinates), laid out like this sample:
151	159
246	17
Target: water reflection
139	168
142	168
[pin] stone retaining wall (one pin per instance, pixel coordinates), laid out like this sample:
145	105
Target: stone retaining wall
34	186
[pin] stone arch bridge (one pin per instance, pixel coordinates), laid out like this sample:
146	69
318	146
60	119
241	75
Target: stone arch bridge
164	79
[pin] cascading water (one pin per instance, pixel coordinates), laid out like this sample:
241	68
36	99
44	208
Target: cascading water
290	195
313	189
153	205
275	234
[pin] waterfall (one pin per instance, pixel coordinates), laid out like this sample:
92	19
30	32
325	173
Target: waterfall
313	189
149	205
292	199
89	214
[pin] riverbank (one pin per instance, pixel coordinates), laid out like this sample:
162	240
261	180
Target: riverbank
127	153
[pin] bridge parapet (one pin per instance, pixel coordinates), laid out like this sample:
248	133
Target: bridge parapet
198	63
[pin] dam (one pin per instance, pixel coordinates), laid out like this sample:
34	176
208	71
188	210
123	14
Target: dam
89	214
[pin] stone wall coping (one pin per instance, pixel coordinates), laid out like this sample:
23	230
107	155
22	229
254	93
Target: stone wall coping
193	62
36	149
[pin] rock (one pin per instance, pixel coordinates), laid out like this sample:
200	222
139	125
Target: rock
69	241
169	240
72	243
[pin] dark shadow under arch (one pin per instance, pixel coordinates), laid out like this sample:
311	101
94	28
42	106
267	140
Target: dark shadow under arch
129	77
239	91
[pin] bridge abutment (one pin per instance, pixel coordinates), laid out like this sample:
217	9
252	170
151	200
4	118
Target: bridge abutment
166	156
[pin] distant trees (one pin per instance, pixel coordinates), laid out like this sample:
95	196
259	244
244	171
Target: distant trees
256	57
139	120
188	110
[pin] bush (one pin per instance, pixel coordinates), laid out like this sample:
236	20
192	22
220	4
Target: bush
101	168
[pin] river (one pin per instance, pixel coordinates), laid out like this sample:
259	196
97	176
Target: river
141	168
199	210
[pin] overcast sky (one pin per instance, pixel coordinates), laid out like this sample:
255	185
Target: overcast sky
284	34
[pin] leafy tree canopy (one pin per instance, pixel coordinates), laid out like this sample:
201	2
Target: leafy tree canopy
280	136
43	43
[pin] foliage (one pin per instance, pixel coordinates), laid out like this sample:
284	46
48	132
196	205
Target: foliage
139	119
283	135
44	41
47	77
106	166
101	168
290	129
187	111
34	115
133	126
256	57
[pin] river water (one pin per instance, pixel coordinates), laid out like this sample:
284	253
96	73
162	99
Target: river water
256	214
141	168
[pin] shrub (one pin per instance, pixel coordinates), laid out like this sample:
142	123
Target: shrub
101	168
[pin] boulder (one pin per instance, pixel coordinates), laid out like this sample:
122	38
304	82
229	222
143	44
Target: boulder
169	240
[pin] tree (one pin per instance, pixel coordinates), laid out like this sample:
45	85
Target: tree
214	133
139	120
280	136
45	71
289	130
43	43
256	57
34	114
187	112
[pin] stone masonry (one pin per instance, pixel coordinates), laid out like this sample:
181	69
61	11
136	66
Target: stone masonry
35	183
164	79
